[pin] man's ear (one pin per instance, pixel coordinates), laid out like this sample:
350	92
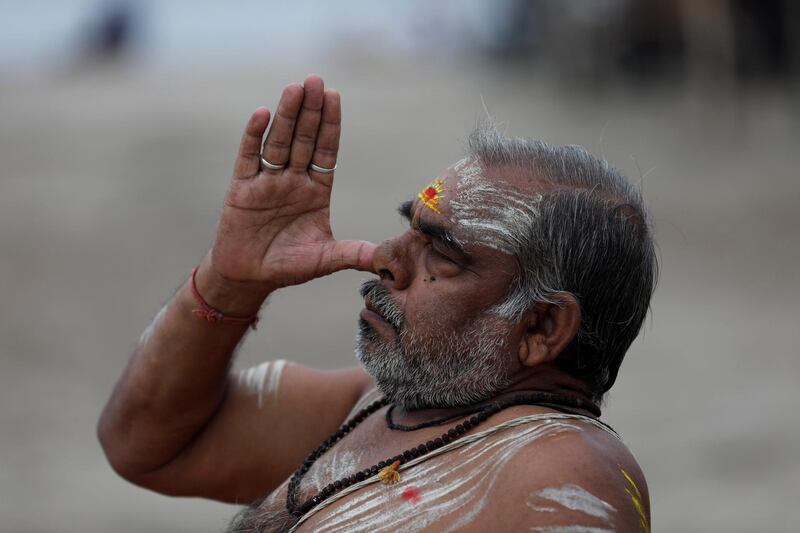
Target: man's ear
549	328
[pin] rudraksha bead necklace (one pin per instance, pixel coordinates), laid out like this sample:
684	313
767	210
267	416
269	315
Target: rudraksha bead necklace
480	414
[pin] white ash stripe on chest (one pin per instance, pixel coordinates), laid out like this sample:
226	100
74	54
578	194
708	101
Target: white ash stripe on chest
457	482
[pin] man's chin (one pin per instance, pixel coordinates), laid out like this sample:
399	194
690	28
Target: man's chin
428	380
413	397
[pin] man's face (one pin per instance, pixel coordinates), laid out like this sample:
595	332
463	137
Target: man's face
426	334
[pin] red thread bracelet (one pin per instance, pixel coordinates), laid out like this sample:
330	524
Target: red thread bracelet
209	314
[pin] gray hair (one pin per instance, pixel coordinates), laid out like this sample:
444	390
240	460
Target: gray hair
586	232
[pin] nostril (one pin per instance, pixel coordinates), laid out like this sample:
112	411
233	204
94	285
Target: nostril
385	274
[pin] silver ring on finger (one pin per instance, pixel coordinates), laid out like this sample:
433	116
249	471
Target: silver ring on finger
322	170
271	166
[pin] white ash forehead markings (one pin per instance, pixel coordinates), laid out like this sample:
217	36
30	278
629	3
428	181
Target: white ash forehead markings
491	211
255	379
575	498
570	529
468	168
475	472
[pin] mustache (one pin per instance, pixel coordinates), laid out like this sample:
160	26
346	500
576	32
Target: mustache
381	298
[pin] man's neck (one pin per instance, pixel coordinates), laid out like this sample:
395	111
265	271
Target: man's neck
541	379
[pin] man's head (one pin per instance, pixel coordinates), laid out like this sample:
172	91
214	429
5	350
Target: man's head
521	256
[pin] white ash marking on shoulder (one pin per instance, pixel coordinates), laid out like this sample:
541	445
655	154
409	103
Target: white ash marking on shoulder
454	488
275	377
255	379
575	498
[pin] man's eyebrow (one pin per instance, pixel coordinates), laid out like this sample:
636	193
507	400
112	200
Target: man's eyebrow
434	231
405	210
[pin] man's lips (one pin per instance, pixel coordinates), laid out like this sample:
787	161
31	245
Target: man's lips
373	314
369	314
370	308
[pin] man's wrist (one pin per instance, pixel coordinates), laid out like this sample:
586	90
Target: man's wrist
231	297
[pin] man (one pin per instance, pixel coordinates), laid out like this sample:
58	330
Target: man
496	323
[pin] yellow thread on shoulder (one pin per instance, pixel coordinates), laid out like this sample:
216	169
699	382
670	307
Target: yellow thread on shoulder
636	498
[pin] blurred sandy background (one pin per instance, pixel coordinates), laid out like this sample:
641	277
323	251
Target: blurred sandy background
115	152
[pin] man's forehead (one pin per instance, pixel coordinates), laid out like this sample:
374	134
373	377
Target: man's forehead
477	208
432	202
438	194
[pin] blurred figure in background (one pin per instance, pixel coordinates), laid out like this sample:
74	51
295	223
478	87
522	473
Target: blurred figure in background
112	33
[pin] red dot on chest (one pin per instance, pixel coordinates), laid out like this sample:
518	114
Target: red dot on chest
412	494
430	192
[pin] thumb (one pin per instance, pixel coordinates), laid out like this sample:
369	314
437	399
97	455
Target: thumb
341	255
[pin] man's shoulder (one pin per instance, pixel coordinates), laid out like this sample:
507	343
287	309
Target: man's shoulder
572	474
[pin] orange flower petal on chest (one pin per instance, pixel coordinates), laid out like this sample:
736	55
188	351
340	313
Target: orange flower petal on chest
389	474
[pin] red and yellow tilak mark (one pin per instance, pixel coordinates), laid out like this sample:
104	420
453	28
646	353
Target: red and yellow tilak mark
432	194
636	499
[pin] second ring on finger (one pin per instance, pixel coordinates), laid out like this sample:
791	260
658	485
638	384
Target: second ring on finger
322	170
271	166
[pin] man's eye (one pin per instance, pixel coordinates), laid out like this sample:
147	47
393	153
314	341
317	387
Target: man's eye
442	255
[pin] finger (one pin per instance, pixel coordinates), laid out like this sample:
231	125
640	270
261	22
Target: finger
248	161
279	139
327	148
305	132
341	255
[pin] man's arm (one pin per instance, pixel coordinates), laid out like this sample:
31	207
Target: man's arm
177	422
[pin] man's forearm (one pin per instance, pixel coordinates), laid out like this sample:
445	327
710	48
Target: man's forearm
176	376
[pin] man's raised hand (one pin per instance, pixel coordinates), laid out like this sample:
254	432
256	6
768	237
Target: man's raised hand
275	224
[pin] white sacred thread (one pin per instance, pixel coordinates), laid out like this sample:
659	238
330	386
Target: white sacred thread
474	464
576	498
570	529
489	211
255	379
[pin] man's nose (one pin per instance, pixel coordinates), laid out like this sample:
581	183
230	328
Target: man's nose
392	263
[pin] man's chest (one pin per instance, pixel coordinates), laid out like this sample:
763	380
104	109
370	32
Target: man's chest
445	492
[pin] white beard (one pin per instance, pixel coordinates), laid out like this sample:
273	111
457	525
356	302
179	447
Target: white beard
457	368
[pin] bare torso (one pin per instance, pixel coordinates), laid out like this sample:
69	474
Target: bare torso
455	491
